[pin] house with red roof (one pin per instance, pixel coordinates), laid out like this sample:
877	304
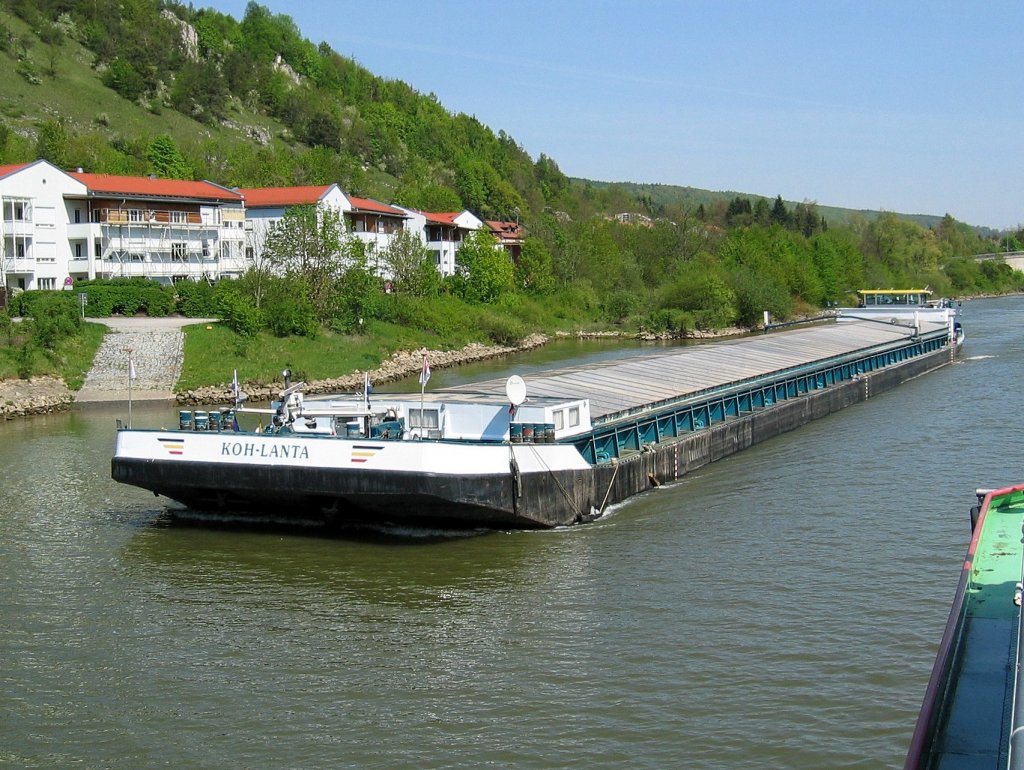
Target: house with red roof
443	233
373	222
509	235
60	225
266	206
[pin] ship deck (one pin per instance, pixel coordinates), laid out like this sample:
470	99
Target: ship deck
967	716
623	386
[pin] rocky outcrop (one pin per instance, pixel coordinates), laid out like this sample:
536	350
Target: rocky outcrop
405	363
38	395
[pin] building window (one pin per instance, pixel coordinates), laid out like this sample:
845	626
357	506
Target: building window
99	250
48	283
178	253
179	217
19	250
78	216
78	251
134	215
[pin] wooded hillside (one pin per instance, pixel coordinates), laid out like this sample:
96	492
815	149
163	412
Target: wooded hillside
151	87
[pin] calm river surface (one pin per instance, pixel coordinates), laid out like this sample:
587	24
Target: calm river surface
779	609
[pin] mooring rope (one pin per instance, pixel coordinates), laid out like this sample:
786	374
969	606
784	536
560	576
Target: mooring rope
565	493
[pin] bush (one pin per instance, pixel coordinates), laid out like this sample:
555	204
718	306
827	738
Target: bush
197	299
670	321
443	316
286	313
56	317
620	306
499	328
127	296
25	359
239	314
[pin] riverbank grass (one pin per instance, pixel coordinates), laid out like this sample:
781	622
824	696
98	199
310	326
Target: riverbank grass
213	352
70	359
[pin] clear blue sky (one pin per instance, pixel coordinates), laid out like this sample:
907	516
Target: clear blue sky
902	105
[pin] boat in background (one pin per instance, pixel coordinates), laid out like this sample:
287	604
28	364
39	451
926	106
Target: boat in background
971	715
904	307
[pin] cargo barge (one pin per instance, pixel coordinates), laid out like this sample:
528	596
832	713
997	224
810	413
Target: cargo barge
556	450
971	714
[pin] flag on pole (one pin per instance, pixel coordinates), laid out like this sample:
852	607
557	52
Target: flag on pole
425	371
131	367
234	385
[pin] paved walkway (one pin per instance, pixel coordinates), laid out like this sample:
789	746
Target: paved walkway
157	346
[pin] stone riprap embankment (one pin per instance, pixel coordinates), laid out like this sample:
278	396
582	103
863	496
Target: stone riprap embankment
38	395
401	364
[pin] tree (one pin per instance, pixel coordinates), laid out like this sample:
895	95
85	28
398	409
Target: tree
780	214
534	272
165	160
484	267
403	257
52	143
305	246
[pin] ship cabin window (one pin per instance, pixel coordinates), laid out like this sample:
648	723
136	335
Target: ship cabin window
427	419
558	417
574	416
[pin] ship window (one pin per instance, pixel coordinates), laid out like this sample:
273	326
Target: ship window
428	419
574	416
559	418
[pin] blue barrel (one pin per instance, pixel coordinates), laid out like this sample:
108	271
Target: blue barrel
229	419
215	421
185	419
527	432
202	421
515	432
549	433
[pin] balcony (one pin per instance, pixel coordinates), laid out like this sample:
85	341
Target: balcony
143	217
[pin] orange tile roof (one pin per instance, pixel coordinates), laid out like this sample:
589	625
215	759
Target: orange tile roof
507	230
441	217
144	186
367	204
11	168
284	196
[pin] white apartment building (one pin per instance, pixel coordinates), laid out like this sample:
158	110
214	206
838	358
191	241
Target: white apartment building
57	226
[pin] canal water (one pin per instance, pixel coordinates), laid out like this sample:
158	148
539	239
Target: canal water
780	608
